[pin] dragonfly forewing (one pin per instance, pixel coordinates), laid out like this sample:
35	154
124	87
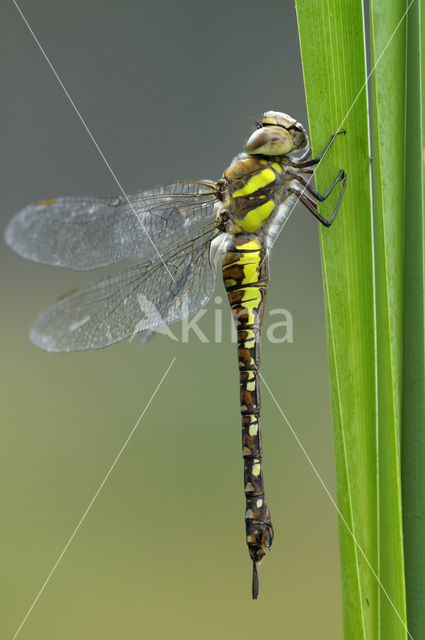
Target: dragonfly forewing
89	232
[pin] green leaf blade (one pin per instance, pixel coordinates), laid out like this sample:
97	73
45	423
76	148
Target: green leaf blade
413	416
388	43
334	74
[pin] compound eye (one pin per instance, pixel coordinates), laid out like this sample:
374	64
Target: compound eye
299	137
270	141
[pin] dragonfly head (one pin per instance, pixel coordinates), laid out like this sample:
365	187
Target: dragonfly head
277	135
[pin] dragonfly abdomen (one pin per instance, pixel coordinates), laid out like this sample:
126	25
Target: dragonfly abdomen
245	275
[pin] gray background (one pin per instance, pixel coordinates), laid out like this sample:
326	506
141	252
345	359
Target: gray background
169	90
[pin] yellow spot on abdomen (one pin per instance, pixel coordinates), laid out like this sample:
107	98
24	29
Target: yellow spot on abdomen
251	245
229	282
253	429
256	469
249	261
250	273
251	382
251	298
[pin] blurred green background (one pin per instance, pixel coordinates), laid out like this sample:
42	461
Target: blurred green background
169	91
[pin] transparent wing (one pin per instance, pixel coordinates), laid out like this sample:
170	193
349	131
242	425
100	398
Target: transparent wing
85	233
140	298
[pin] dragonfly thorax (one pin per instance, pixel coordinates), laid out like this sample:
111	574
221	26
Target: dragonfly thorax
253	187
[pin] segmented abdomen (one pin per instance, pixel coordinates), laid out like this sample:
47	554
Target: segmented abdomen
245	275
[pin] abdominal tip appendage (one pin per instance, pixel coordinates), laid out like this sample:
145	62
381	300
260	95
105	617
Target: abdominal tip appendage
255	585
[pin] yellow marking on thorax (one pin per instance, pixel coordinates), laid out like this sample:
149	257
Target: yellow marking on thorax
259	180
276	167
48	201
255	218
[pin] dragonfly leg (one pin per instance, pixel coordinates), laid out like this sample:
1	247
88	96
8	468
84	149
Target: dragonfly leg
311	206
313	161
308	187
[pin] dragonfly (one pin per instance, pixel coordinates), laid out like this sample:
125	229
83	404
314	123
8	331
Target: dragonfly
180	235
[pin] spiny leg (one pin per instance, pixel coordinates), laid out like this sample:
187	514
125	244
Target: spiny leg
308	187
310	205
